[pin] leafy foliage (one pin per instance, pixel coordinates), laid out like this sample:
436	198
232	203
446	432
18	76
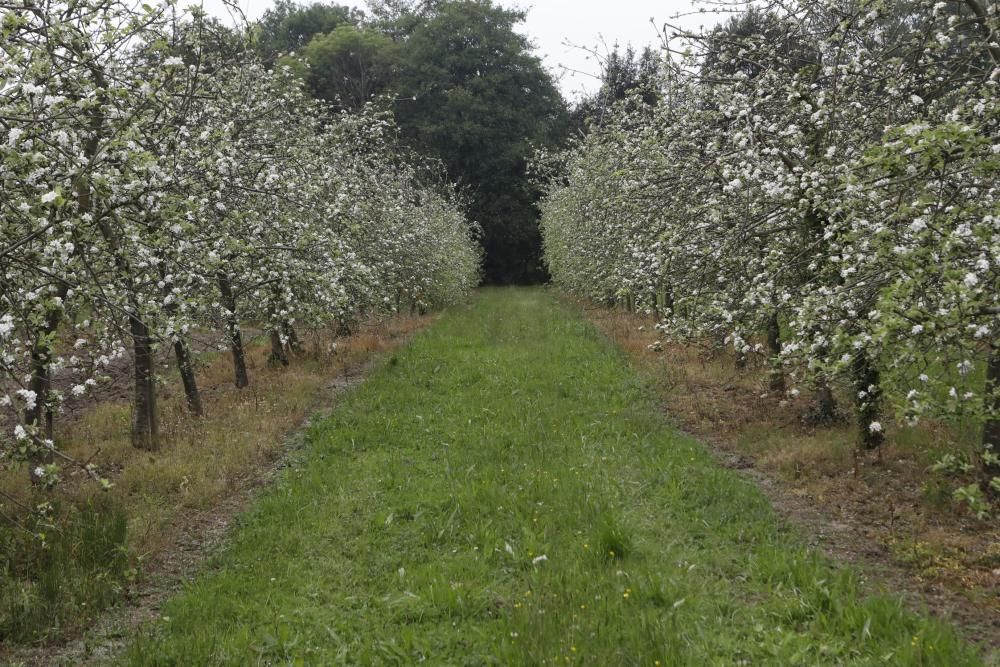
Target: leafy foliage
288	27
624	76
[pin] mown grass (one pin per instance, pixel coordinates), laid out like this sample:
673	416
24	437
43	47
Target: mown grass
505	491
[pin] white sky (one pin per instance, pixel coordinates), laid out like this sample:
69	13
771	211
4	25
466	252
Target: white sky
553	25
559	27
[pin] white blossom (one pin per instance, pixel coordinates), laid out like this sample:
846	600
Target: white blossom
27	397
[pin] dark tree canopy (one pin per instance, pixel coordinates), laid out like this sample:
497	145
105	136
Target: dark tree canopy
739	46
624	73
464	87
287	27
351	65
473	94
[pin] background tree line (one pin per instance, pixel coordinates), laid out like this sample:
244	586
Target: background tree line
463	86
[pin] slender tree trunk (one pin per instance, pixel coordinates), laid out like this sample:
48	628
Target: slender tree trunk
868	399
991	429
294	344
277	355
344	328
741	360
40	383
777	379
145	427
826	402
41	386
824	409
241	379
185	365
664	302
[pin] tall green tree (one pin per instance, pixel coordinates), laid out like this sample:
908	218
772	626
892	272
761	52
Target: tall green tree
465	89
471	92
624	73
351	65
288	27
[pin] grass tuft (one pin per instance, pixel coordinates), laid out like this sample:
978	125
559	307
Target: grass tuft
81	568
614	541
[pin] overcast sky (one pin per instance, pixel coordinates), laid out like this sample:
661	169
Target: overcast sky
554	25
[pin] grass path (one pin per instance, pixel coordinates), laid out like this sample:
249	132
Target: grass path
505	492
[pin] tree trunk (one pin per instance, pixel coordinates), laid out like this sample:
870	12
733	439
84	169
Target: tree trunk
344	328
241	379
664	302
777	379
277	355
868	399
145	428
185	365
826	402
991	429
294	344
41	384
182	352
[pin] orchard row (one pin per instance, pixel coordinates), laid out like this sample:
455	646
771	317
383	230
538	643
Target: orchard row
815	183
157	182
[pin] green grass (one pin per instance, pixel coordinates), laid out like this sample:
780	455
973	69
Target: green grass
80	568
510	431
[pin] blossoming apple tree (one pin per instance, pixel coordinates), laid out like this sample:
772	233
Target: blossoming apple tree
156	180
816	185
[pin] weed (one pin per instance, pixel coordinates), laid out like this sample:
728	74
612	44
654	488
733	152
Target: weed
78	570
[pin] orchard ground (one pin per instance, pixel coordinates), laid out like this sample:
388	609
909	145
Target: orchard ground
134	544
506	490
886	512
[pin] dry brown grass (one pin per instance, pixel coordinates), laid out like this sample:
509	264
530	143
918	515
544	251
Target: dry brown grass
890	498
201	461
